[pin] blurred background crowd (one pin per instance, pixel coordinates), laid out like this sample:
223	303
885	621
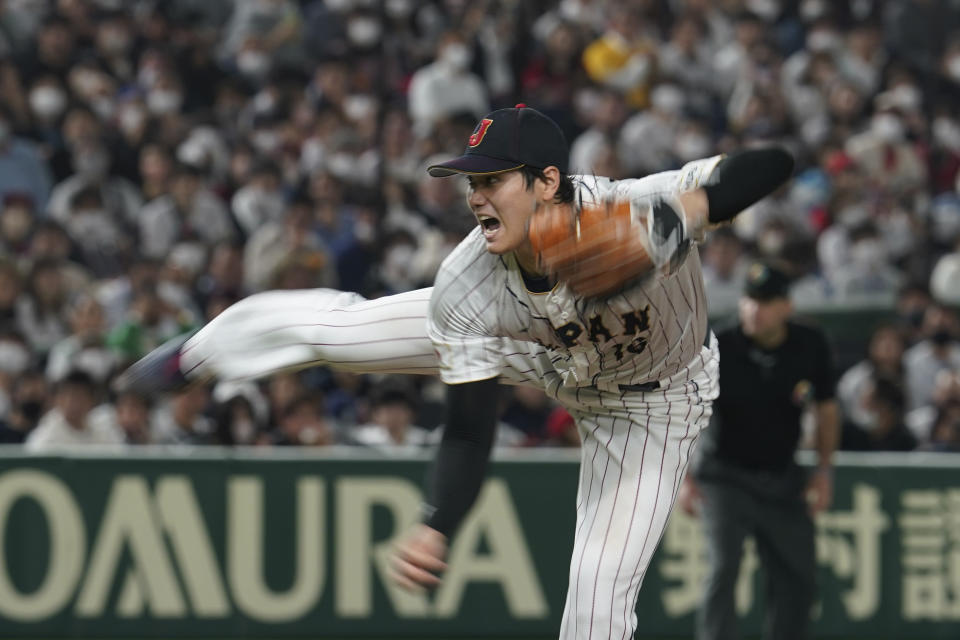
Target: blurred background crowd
161	160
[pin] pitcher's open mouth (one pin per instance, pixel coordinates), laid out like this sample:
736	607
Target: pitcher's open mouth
488	223
490	226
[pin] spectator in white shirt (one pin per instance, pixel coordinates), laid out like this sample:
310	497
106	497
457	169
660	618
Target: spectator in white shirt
939	351
884	360
189	211
724	271
85	348
686	59
606	119
869	278
92	161
182	420
648	139
260	200
129	414
391	426
69	423
446	86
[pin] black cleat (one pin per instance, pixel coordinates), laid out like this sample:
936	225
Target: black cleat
156	372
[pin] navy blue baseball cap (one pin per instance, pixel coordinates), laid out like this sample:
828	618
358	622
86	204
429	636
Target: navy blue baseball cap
508	139
766	282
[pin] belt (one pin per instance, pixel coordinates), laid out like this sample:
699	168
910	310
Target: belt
646	386
653	386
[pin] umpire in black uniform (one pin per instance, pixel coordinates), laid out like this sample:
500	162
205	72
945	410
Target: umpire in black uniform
745	481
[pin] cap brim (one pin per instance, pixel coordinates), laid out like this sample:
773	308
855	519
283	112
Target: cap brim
472	164
766	296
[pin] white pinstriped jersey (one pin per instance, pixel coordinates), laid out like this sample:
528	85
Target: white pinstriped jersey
645	333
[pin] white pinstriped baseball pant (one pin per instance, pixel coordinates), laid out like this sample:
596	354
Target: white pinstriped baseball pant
635	446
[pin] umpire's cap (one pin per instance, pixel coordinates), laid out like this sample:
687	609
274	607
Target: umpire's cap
508	139
766	282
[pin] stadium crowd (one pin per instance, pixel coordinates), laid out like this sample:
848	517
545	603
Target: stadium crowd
161	160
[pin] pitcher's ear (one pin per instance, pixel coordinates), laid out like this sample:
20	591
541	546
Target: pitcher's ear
551	182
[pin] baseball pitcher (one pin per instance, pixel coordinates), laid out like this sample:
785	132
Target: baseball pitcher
583	286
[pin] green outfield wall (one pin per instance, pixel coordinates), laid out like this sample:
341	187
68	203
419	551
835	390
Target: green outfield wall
217	543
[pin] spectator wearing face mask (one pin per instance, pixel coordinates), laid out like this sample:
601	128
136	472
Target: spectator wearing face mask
397	271
276	241
303	423
236	423
911	306
436	239
100	238
41	312
22	169
240	412
945	278
648	139
260	200
686	60
810	71
48	102
606	118
189	211
864	57
94	87
869	278
85	349
113	43
922	421
446	86
937	352
950	63
347	229
130	413
732	60
92	165
848	212
884	360
890	161
261	34
164	102
182	420
882	406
